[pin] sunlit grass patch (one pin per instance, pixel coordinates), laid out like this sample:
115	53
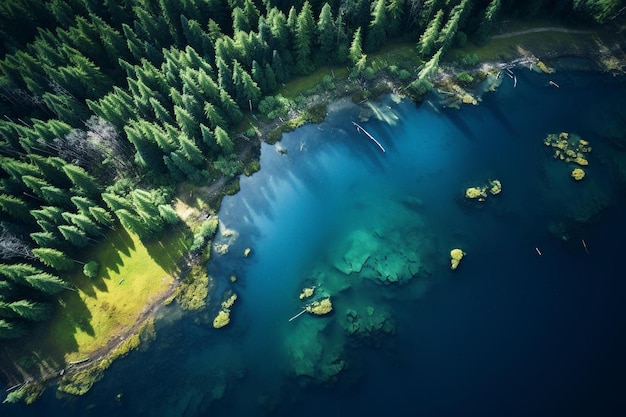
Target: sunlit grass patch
132	275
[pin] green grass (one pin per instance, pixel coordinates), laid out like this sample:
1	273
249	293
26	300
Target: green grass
541	44
308	83
132	275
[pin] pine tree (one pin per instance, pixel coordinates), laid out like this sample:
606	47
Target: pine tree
377	35
270	79
304	36
186	167
246	90
426	43
132	223
17	272
83	182
357	56
53	258
278	26
83	204
190	150
224	75
15	207
168	214
258	76
46	239
35	184
431	66
74	235
251	13
488	19
230	110
427	10
186	121
31	310
46	283
10	330
210	89
327	35
208	139
85	224
101	216
277	66
51	168
55	196
395	12
224	141
51	214
240	21
116	202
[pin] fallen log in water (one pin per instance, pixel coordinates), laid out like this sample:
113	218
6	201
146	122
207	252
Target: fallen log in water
360	129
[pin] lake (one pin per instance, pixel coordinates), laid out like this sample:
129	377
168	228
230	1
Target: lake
532	322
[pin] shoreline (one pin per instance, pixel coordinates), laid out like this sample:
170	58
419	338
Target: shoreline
345	89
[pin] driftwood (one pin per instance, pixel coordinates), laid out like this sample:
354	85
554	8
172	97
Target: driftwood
360	129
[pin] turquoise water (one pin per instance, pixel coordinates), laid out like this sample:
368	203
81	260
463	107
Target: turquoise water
507	333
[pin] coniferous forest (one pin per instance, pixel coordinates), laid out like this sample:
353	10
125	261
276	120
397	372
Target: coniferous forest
106	105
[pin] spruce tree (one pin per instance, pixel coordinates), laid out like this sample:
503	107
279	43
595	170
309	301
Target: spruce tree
45	282
84	183
53	258
304	35
427	41
224	141
327	34
357	56
74	235
246	90
101	216
31	310
377	33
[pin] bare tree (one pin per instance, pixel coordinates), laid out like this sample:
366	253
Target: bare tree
13	247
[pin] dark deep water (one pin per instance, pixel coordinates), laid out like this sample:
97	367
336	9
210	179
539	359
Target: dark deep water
509	333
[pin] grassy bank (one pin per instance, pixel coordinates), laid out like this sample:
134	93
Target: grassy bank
103	311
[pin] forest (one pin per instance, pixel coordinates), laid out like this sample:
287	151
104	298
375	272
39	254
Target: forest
108	105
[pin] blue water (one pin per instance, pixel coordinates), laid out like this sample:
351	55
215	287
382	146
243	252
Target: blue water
507	333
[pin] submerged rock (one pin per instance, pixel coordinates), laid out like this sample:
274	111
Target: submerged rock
313	355
384	256
369	327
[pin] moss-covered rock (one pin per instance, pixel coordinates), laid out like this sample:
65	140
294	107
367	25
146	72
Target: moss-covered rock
578	174
321	307
455	258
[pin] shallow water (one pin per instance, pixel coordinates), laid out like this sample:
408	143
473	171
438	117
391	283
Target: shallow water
507	333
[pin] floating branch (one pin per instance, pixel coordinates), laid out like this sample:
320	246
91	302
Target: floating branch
298	315
360	129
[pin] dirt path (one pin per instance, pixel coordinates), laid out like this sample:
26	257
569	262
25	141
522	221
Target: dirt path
542	29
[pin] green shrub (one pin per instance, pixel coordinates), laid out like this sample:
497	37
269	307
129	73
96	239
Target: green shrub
368	73
228	165
273	107
404	75
328	83
205	232
470	60
464	78
91	269
419	88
